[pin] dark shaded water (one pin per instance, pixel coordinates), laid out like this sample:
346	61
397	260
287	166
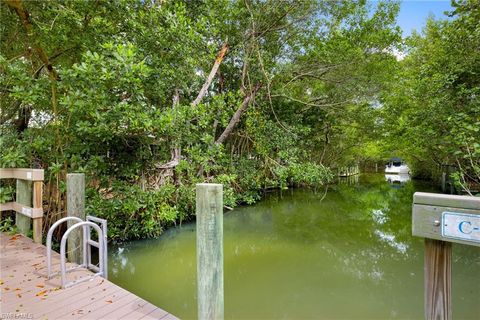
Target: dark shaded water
298	254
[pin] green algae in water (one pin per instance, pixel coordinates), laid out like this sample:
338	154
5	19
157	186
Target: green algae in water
301	254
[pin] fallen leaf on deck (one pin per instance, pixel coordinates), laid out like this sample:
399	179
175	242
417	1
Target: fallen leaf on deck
18	289
109	301
41	293
19	295
6	288
40	286
1	282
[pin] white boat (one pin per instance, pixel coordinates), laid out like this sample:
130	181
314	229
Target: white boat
397	166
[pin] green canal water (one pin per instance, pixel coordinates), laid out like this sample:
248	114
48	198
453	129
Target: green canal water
298	254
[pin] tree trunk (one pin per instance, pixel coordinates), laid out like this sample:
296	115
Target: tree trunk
237	115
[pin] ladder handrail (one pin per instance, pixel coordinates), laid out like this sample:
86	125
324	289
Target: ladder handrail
49	242
103	223
84	225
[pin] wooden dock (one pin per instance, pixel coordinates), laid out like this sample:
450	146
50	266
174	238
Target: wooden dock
26	293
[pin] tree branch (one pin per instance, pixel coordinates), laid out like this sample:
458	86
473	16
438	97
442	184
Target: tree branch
216	65
237	115
24	17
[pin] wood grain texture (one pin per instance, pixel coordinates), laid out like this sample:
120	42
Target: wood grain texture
37	203
438	282
24	196
75	208
209	211
22	174
447	200
424	217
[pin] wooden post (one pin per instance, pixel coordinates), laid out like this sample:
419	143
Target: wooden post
442	219
438	282
75	208
209	211
444	180
37	203
24	197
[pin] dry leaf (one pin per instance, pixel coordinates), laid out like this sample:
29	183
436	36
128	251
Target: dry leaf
19	295
41	293
40	286
109	301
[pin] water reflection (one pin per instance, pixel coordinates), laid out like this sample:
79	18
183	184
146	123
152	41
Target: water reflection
397	180
349	180
302	254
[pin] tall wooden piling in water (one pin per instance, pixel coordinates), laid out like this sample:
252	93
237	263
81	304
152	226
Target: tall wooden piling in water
75	208
209	211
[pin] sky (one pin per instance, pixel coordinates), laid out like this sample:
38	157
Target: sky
414	13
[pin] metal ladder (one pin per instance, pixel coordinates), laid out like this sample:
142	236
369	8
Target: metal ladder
87	243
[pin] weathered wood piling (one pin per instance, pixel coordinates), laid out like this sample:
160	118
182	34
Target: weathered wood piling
75	208
209	211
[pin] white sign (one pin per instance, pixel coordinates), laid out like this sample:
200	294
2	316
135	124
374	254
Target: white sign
461	226
27	211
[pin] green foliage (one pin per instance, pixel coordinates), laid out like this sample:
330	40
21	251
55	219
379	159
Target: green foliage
6	194
115	98
8	225
132	212
432	110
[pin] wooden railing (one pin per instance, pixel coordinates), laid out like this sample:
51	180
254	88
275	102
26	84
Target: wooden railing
28	204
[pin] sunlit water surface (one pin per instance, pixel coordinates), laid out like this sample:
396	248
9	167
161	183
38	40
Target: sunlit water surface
346	254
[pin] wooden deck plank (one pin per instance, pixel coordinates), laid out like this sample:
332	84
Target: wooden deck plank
117	302
121	310
141	311
106	298
25	289
33	292
37	303
155	314
76	306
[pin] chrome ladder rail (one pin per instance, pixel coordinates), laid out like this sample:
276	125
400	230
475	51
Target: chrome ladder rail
87	243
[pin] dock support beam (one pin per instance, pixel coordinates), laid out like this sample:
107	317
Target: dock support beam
23	197
438	281
209	211
37	203
75	208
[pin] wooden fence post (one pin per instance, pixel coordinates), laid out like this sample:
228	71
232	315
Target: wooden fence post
23	197
37	203
75	208
209	211
438	279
